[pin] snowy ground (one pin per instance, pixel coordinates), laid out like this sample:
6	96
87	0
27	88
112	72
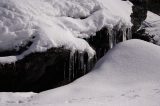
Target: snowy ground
128	75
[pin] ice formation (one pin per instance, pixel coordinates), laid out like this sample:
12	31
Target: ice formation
53	23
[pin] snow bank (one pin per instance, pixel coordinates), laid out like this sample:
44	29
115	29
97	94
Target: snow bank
128	75
54	23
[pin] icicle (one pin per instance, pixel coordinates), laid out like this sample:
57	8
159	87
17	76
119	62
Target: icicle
129	33
69	71
124	34
70	65
79	63
95	57
114	38
82	62
64	71
110	38
91	63
85	71
88	64
73	63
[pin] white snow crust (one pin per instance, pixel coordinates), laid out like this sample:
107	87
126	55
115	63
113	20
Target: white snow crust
54	23
128	75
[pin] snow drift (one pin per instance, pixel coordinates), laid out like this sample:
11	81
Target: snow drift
128	75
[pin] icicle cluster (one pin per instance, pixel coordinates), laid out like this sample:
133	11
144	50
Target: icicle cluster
79	63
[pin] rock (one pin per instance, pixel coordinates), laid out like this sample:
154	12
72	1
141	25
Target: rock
141	34
153	5
140	8
57	66
139	14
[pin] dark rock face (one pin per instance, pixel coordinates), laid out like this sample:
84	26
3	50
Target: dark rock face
154	6
23	75
56	67
105	40
42	71
139	14
141	34
140	8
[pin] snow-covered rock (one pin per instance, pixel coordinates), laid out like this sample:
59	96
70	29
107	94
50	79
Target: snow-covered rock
57	66
50	41
50	23
128	75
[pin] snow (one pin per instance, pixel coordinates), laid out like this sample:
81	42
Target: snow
50	23
128	75
152	26
14	97
120	8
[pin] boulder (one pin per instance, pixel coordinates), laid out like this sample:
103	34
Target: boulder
57	66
